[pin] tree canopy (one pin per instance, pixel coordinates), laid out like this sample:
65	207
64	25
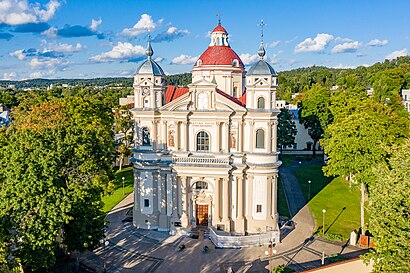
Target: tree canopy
56	161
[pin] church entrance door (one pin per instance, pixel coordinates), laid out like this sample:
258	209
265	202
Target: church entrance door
202	215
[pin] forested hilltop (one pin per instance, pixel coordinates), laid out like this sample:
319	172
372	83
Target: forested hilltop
293	81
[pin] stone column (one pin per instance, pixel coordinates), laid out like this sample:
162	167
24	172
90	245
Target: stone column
218	137
216	200
249	199
227	138
174	214
183	136
252	136
240	220
269	197
239	142
164	135
184	198
176	138
225	201
137	198
275	136
187	138
269	147
154	136
275	197
163	218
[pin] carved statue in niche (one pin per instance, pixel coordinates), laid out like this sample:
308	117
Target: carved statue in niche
233	141
171	139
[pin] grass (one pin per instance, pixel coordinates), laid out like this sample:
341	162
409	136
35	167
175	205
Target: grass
283	209
341	202
110	201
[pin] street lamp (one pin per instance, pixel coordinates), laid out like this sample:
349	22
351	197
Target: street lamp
309	190
105	244
323	230
123	192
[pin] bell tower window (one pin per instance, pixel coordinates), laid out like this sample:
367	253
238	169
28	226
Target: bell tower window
146	138
260	139
261	103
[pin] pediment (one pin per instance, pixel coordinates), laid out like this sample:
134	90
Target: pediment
260	82
186	103
202	83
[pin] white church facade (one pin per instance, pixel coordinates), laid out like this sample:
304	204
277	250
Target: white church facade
206	155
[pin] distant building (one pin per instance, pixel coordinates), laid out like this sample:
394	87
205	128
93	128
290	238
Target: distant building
4	116
405	94
303	142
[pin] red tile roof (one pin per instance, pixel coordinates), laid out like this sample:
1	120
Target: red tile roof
238	101
219	28
174	92
219	55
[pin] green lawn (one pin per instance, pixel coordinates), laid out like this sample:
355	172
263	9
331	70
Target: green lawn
283	209
333	195
113	199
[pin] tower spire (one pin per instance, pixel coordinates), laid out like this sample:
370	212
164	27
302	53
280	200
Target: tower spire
219	18
261	50
149	52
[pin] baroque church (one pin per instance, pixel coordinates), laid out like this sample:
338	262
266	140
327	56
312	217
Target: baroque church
206	155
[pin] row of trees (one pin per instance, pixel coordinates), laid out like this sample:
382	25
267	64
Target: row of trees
366	138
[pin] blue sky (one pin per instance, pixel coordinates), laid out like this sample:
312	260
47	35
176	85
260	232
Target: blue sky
106	38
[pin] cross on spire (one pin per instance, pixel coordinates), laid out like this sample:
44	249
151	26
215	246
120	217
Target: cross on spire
219	18
262	24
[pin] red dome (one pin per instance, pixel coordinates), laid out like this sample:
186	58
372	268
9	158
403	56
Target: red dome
219	28
219	55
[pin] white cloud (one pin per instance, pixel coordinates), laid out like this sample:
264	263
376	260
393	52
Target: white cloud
249	58
273	44
50	33
143	25
59	47
340	39
314	45
341	66
159	59
348	47
377	42
38	63
95	24
119	52
9	76
42	74
184	59
17	12
19	54
396	54
169	35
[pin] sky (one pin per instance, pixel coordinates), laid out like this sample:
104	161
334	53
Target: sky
107	38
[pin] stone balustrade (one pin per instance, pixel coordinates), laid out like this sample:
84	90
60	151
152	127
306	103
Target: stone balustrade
227	241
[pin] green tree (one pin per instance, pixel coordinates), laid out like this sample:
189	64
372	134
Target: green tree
286	129
56	162
357	142
124	126
389	209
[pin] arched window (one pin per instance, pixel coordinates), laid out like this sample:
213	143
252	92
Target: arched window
261	103
201	185
199	62
146	138
202	142
260	138
235	62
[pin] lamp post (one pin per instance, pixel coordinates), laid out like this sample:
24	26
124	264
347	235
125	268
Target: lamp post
323	230
309	190
123	192
105	244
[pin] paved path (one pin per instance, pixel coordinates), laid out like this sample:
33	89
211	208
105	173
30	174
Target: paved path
133	250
